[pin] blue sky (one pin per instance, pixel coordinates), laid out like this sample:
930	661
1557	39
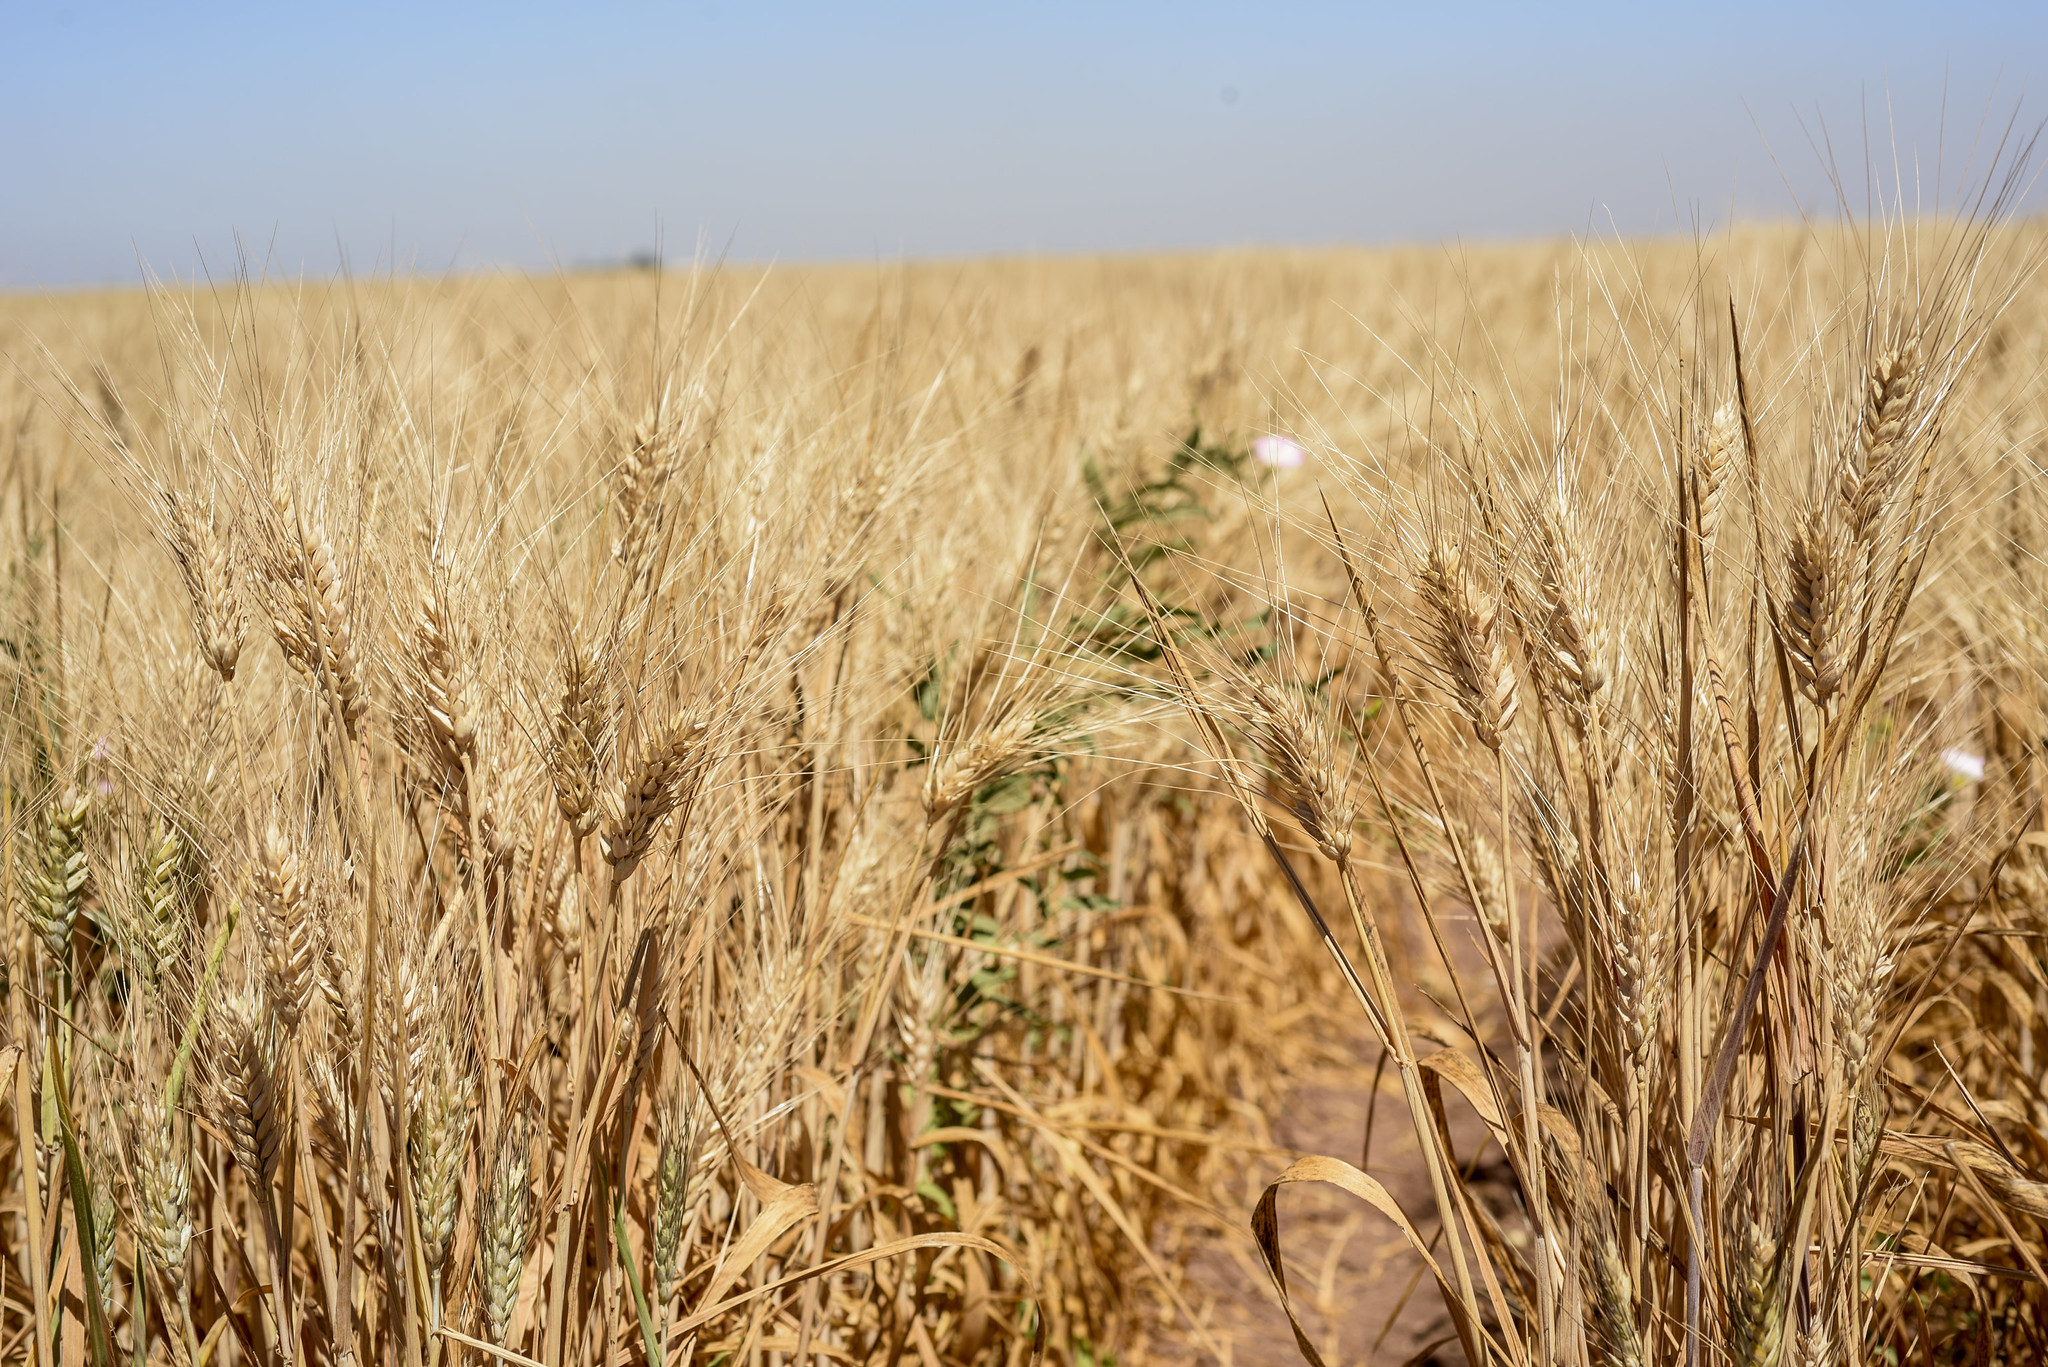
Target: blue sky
447	137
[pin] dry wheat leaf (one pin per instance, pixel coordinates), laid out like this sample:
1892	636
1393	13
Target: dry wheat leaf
1341	1175
783	1207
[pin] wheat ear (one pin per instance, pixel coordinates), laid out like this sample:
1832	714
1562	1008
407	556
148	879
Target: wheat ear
575	738
1302	753
310	616
164	883
54	873
1756	1312
439	1142
1871	465
662	776
219	620
968	763
1471	643
1817	570
1571	631
643	476
255	1103
506	1223
1716	459
287	926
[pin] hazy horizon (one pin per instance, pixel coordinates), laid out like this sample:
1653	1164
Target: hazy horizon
374	138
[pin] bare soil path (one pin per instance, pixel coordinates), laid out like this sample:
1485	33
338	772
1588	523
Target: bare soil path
1360	1291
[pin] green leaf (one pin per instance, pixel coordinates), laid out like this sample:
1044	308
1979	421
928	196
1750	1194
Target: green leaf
930	1191
1006	795
82	1220
930	696
622	1247
175	1083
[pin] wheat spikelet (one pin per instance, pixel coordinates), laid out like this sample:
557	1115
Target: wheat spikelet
970	762
666	769
1470	643
1814	605
163	883
251	1090
440	1137
1871	464
311	619
506	1223
1716	459
54	873
163	1186
1866	1131
1756	1313
575	737
287	927
219	620
1298	745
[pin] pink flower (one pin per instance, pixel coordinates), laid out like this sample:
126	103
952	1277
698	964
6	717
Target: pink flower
1276	452
102	754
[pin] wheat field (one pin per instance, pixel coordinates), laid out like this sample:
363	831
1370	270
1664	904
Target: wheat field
725	815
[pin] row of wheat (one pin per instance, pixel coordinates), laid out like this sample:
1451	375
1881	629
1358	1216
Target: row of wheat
1656	704
487	890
